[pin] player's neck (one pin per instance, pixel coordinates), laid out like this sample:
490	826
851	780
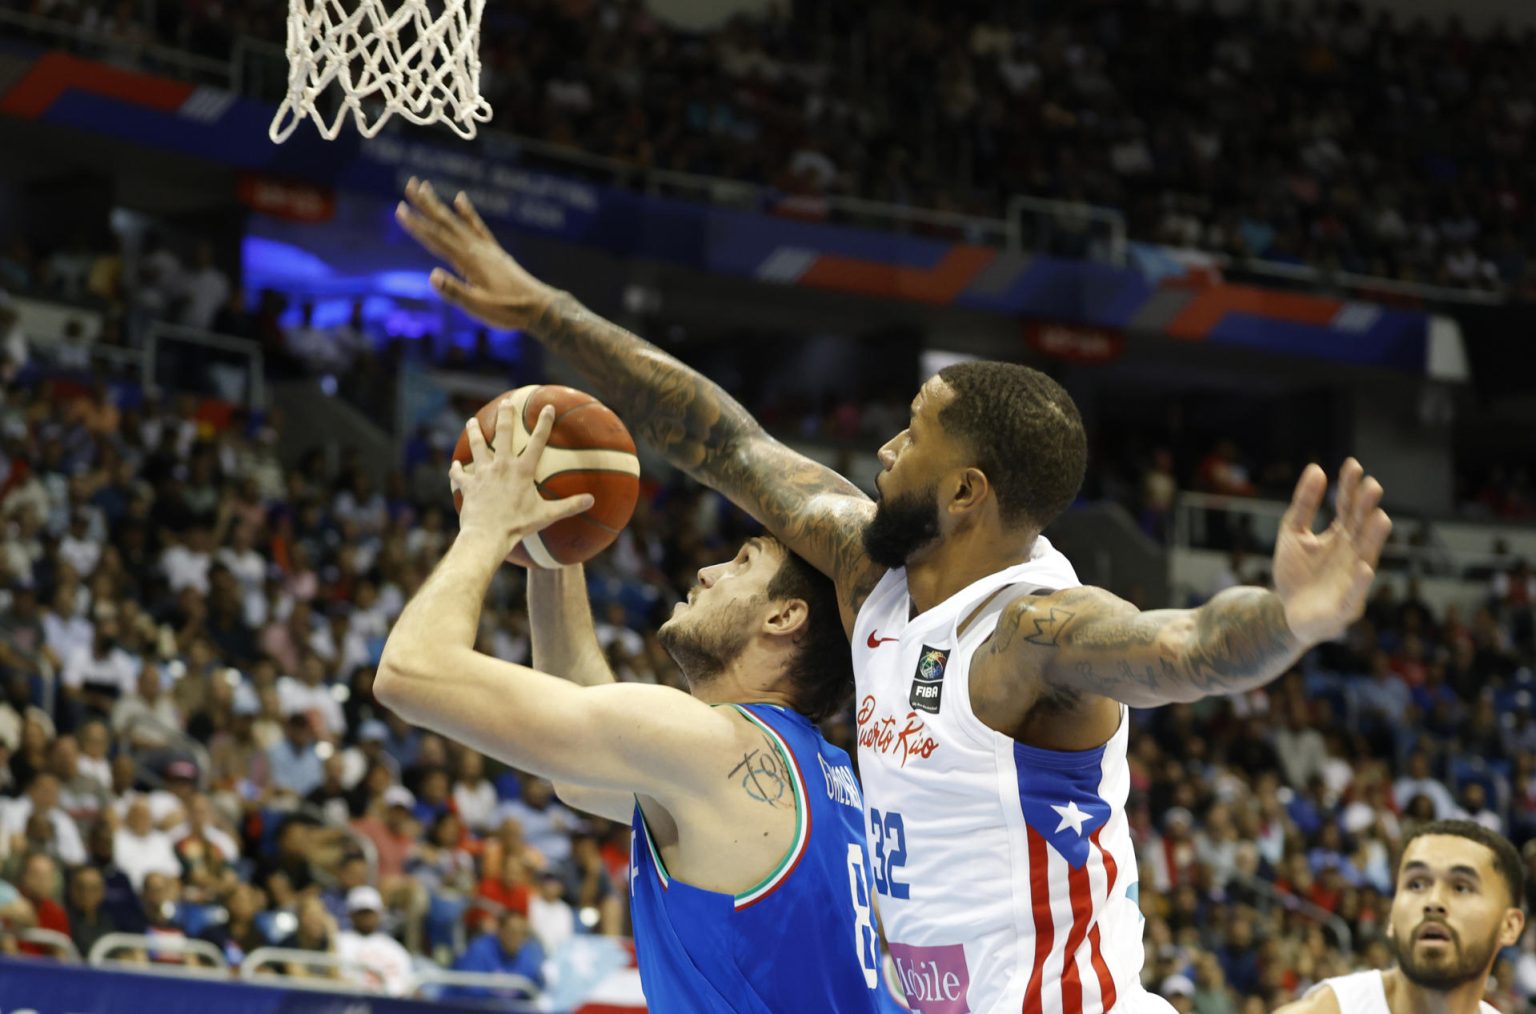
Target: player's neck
961	559
743	682
1403	997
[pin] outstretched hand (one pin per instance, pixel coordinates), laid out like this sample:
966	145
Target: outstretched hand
501	497
486	282
1323	577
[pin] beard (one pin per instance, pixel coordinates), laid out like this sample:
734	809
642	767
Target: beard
1457	968
703	646
902	526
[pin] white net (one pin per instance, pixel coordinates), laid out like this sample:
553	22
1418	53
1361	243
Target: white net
373	59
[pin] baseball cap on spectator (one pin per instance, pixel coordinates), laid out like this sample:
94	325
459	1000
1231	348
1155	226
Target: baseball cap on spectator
364	899
1178	815
399	795
373	731
1174	985
181	769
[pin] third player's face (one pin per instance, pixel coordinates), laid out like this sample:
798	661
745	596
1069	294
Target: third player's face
1451	913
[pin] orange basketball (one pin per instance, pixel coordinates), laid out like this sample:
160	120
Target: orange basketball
589	451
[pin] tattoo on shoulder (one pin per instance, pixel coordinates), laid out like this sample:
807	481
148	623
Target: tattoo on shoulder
1031	623
763	775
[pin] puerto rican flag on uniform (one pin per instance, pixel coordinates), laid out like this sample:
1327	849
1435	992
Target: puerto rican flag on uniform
1071	878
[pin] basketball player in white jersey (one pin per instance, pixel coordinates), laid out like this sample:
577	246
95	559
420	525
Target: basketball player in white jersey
992	690
1458	903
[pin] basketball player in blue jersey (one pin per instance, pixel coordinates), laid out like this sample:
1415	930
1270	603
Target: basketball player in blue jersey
750	885
993	690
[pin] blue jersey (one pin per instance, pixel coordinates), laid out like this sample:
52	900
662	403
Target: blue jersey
804	938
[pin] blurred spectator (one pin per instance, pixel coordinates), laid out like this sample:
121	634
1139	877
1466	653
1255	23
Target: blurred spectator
237	935
88	920
293	763
41	799
383	962
511	950
139	848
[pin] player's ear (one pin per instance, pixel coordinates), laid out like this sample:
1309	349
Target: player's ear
1514	925
968	488
787	616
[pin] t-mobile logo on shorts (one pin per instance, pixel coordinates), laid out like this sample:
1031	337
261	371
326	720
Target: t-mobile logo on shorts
934	978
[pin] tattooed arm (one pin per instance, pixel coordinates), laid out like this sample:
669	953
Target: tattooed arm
688	418
1068	646
1085	641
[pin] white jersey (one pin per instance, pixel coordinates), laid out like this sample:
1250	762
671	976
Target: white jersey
1006	876
1364	993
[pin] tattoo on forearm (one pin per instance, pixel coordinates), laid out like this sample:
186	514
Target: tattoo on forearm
763	775
704	431
1237	641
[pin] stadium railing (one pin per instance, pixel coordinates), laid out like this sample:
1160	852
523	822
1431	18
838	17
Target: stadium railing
254	968
63	947
1207	527
75	38
499	982
139	943
1276	897
188	358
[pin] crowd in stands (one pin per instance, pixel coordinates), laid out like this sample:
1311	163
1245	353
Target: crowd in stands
1304	132
189	745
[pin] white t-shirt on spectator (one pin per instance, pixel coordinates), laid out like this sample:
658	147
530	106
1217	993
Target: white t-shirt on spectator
81	554
137	721
382	955
186	569
15	813
140	855
67	634
98	769
296	696
216	837
117	669
552	922
249	569
163	805
207	290
476	804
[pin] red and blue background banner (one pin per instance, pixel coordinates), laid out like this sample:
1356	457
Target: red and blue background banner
298	181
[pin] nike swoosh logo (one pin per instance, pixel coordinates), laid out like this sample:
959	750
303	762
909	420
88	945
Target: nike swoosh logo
875	642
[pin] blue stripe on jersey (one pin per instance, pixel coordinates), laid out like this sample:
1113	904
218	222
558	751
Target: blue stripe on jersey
1059	793
803	943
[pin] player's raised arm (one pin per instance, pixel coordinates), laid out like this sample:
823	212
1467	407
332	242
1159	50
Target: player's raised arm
680	412
565	644
626	737
1087	641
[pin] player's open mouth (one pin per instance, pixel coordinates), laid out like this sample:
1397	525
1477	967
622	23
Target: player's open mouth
1433	932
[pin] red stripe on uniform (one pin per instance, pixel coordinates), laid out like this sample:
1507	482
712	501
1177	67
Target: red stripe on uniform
1082	916
1045	923
1106	981
1100	968
1109	862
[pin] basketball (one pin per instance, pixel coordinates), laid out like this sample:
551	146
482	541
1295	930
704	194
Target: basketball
589	451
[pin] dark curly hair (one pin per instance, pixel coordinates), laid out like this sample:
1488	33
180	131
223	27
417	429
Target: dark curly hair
822	672
1026	433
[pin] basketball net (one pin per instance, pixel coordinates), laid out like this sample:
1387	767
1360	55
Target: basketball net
383	57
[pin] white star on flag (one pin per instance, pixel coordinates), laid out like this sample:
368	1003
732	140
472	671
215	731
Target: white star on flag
1071	817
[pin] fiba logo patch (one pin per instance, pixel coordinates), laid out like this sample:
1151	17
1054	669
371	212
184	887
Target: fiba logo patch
928	681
